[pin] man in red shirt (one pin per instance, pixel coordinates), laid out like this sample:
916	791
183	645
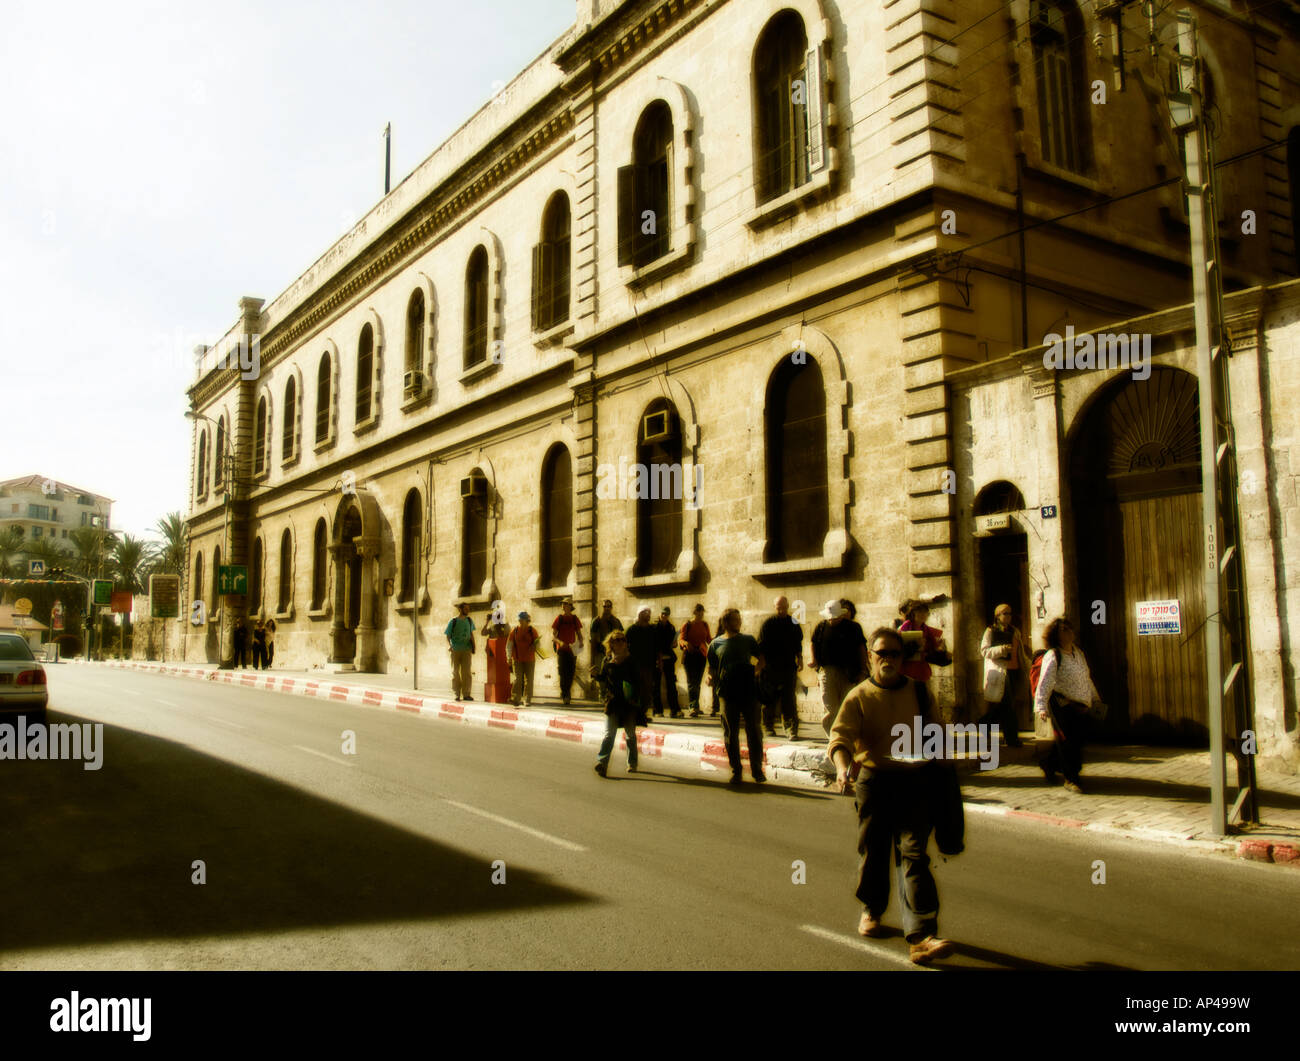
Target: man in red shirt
566	629
522	653
694	642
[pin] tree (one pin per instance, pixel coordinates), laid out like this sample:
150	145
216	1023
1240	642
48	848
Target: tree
11	545
169	556
91	547
131	559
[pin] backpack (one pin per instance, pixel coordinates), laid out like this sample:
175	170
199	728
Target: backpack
1036	669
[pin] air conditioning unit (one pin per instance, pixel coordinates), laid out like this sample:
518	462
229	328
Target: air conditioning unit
656	426
474	486
413	382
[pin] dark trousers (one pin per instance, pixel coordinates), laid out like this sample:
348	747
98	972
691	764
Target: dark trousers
1003	713
648	675
568	664
259	655
694	663
668	670
1066	755
894	815
778	687
240	653
732	708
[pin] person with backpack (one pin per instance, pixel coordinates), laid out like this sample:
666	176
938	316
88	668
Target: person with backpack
521	650
1005	662
733	676
1065	694
460	646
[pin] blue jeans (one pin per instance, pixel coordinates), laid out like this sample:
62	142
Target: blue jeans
612	727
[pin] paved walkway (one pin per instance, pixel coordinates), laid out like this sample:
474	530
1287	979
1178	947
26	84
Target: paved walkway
1149	794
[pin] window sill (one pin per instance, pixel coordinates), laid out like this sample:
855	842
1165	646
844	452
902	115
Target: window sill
639	276
291	460
1064	176
319	613
554	336
832	561
680	577
416	399
365	426
406	607
539	594
284	616
323	445
789	204
479	372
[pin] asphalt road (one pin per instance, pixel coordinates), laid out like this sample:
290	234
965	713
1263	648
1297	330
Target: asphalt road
383	859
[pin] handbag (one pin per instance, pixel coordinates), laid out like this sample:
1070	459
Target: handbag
939	658
1098	710
995	682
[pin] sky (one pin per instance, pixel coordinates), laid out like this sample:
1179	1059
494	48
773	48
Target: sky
161	160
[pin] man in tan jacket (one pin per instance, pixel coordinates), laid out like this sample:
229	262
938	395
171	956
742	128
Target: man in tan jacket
893	795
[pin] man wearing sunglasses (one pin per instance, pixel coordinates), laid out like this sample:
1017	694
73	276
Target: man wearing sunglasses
893	796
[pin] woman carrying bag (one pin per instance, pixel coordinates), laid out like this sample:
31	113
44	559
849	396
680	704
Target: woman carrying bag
1006	660
1067	696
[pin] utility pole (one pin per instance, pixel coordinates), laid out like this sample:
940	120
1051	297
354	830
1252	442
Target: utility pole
1225	640
388	154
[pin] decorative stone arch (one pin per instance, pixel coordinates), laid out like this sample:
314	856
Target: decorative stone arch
685	220
556	434
487	593
371	317
292	372
495	297
356	564
264	395
426	358
221	416
815	345
203	452
255	606
416	486
331	348
291	574
693	486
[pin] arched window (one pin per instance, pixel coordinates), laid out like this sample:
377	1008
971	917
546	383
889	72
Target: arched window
644	200
1293	172
286	570
476	310
798	500
219	455
782	104
260	460
323	399
474	516
551	266
255	579
415	332
216	578
290	432
365	372
658	489
202	486
1056	33
557	517
318	568
410	545
196	590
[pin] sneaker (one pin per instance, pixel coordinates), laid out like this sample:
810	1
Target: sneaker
925	951
794	734
696	712
1075	787
676	714
870	926
566	701
602	769
468	699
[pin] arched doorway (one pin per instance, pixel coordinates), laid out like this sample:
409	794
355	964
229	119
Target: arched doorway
354	550
1003	551
1135	478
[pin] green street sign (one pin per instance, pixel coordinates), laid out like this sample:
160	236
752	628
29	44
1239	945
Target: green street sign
232	578
103	592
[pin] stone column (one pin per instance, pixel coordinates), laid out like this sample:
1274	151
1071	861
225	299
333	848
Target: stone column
339	556
366	634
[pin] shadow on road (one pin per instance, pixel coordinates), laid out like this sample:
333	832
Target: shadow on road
105	856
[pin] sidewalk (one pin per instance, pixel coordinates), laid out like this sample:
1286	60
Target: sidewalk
1152	795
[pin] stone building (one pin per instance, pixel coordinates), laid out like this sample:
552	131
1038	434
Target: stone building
683	313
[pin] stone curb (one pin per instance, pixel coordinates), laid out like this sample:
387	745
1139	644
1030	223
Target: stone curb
790	764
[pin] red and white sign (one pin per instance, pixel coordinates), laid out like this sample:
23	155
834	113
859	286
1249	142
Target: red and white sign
1159	617
121	602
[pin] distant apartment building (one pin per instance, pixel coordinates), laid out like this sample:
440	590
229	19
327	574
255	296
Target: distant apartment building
724	299
44	509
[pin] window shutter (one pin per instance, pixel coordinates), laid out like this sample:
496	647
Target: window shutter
560	272
539	289
628	183
815	95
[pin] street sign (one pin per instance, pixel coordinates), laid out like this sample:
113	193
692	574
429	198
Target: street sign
36	567
1159	617
164	596
121	602
997	522
232	578
23	606
103	591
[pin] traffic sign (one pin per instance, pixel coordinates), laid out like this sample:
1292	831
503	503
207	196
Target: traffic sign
22	606
164	596
121	602
103	591
36	567
232	578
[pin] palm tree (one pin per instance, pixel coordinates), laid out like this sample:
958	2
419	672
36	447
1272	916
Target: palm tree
169	556
11	545
91	545
131	559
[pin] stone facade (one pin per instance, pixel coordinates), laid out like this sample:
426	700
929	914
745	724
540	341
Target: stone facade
891	263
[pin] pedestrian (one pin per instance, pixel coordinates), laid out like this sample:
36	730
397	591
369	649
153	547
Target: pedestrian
566	629
643	644
666	651
733	675
1066	695
839	655
521	651
694	640
780	639
239	643
259	645
270	642
601	627
895	796
619	691
1006	661
933	649
461	647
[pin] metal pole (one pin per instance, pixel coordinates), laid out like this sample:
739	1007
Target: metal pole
415	643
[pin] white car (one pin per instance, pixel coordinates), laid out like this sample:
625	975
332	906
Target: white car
22	680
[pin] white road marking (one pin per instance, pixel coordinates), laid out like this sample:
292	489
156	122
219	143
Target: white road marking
568	845
858	943
165	703
224	722
331	758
